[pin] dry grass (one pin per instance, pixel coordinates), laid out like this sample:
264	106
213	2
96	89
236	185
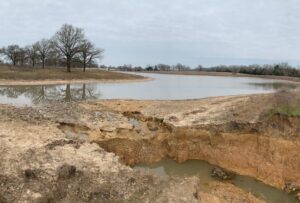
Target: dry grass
19	73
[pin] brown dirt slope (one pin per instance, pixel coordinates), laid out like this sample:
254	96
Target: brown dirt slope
41	161
237	133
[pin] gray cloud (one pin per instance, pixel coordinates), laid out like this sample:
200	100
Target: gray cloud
165	31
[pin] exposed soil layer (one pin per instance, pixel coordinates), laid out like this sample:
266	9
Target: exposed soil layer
46	156
232	132
272	160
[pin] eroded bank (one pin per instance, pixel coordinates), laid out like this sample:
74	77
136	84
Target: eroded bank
264	147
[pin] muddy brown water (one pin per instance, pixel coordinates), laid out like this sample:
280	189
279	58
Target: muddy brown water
202	169
163	87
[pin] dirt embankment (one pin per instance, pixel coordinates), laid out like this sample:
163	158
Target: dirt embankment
46	156
237	147
232	132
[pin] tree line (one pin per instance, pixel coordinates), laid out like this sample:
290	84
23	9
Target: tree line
68	47
158	67
279	69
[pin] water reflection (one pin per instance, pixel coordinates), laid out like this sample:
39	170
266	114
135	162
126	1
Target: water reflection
164	87
273	85
49	93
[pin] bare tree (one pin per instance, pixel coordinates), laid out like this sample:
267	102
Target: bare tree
67	41
43	48
199	68
88	53
2	55
21	58
180	67
163	67
32	54
12	52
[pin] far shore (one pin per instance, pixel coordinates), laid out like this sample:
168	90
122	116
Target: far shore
15	76
225	74
53	76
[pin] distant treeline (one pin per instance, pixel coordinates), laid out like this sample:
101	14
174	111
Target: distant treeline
279	69
158	67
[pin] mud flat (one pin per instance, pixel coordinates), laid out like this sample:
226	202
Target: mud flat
81	150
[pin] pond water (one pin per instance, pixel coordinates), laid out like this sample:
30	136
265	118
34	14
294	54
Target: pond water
162	87
202	169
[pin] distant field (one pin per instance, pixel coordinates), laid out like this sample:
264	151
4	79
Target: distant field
19	73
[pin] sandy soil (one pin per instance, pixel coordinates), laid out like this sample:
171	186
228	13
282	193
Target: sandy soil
214	110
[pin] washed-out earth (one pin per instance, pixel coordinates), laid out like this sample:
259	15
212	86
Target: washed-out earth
64	145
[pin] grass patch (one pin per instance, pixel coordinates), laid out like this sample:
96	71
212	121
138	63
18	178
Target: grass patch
285	102
287	111
21	73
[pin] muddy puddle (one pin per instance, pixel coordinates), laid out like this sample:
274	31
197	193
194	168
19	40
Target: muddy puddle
202	169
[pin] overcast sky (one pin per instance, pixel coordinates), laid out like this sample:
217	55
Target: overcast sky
142	32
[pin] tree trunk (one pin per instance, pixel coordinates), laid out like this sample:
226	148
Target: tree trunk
68	64
43	62
84	63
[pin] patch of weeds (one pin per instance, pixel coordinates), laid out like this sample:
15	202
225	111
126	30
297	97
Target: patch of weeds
285	103
287	111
